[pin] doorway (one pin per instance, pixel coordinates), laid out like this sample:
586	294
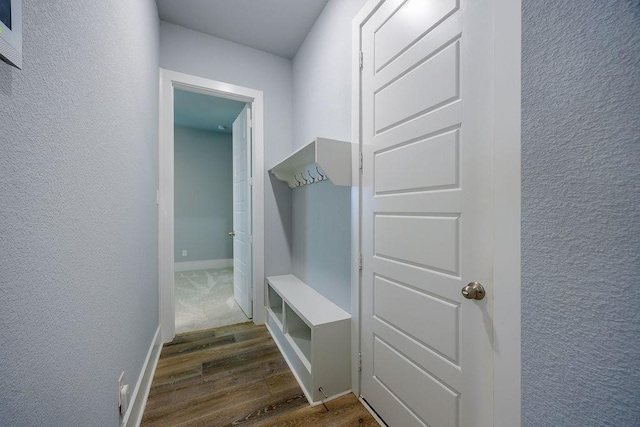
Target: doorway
173	86
210	232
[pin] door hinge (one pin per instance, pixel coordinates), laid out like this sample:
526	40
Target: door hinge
360	262
359	362
361	160
361	60
250	181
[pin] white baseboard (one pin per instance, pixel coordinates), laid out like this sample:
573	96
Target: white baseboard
203	265
133	416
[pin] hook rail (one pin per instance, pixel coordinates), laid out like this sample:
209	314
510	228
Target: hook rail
306	177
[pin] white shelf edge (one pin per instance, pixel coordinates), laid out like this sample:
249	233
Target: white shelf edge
275	318
297	294
322	156
303	358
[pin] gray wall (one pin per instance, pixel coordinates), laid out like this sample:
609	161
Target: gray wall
581	213
78	218
203	186
322	107
322	240
322	76
198	54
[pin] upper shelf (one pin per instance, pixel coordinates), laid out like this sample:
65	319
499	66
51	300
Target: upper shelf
322	158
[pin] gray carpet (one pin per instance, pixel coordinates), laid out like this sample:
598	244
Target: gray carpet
204	299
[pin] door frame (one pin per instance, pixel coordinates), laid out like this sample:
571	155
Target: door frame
506	203
168	81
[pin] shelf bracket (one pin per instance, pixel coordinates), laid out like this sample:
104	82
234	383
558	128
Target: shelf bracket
331	159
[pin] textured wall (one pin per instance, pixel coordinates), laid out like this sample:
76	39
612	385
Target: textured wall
78	218
322	76
322	240
322	107
198	54
581	213
203	194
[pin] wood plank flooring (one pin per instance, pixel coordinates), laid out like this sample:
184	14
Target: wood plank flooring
235	376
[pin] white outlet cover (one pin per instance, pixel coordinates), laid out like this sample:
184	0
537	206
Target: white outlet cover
120	387
124	399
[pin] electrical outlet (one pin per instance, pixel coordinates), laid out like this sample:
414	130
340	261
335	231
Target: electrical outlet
184	252
123	394
121	380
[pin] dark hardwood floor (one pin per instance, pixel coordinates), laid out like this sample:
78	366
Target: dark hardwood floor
235	376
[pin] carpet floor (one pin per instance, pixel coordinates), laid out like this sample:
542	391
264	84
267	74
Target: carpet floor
204	299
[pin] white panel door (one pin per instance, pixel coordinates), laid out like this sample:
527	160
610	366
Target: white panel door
426	134
242	211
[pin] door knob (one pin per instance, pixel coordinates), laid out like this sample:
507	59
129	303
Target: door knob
473	290
233	233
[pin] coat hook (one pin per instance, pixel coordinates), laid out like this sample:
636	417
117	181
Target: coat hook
322	177
312	178
297	182
305	179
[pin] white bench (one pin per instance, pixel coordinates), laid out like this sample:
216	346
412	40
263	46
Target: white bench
314	336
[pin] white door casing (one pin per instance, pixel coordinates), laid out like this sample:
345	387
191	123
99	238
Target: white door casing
428	106
168	81
242	210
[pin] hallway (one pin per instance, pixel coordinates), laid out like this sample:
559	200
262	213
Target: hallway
235	375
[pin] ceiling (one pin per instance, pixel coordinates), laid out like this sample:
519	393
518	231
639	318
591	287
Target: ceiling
195	110
274	26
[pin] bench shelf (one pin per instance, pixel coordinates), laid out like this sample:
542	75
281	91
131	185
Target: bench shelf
313	334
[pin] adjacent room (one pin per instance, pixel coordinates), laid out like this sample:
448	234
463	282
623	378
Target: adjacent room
204	212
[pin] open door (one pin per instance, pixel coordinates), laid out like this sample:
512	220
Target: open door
242	233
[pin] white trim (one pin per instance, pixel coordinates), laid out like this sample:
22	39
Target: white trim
133	416
356	330
202	265
355	204
168	81
507	211
330	398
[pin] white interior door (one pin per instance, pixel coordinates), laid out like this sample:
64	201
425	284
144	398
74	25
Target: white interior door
242	211
426	106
